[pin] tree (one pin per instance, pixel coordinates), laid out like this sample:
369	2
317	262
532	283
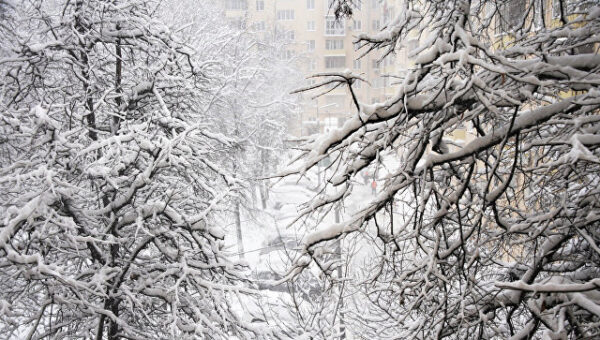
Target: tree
496	236
254	104
112	180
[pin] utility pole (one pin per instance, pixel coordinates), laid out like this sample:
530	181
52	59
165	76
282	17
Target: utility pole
339	274
319	131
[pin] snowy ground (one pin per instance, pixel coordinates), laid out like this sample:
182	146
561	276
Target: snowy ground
270	236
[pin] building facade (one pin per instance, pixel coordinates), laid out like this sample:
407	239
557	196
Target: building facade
311	39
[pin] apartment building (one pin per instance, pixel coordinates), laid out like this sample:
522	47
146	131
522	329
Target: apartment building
314	41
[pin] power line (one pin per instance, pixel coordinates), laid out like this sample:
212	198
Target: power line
253	250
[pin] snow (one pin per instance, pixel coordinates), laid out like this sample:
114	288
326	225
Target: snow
553	285
141	203
30	210
524	120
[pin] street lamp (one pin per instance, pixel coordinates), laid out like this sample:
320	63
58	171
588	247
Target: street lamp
319	131
322	107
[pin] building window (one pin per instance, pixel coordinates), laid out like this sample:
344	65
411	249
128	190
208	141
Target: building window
381	82
236	5
260	5
310	25
389	60
334	44
310	4
357	25
556	8
260	26
335	62
388	14
238	23
516	8
286	54
310	45
376	83
356	64
334	27
286	14
375	65
376	25
375	3
511	15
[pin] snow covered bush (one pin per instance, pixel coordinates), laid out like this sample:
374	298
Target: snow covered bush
111	178
489	225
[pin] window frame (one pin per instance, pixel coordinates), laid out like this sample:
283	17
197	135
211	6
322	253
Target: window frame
334	31
330	64
260	5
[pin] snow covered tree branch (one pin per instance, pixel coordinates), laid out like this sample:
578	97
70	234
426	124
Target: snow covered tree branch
112	180
487	224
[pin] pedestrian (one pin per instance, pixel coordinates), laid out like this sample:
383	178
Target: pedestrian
374	187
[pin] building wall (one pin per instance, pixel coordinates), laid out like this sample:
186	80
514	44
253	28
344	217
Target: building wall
314	42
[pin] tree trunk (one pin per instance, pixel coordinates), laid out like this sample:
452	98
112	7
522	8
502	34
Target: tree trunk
339	274
264	188
238	227
113	327
116	121
264	193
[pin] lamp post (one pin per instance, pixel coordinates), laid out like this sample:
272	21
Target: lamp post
319	131
322	107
